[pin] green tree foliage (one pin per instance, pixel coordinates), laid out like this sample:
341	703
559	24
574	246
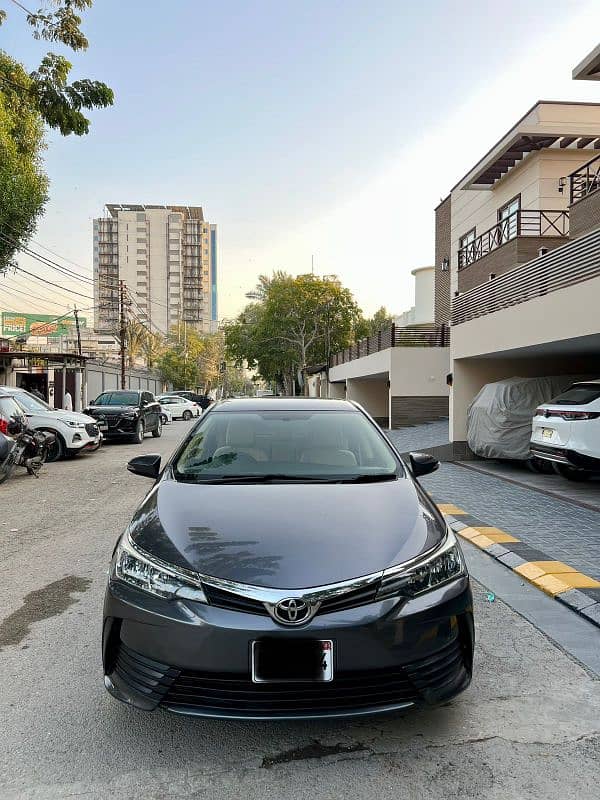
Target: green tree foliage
380	320
294	323
179	363
44	97
23	184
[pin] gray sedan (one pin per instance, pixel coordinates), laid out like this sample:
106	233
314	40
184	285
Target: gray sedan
286	563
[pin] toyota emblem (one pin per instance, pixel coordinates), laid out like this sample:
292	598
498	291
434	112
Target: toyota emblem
292	611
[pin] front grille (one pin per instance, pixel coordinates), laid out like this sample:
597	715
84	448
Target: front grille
214	692
233	602
91	429
236	602
150	678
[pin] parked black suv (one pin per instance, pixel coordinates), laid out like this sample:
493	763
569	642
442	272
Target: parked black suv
203	400
126	412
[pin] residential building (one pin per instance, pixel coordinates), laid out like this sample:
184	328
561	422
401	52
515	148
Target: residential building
423	311
518	256
167	258
399	374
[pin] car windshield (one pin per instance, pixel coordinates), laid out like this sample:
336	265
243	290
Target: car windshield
580	394
9	407
315	445
32	403
117	399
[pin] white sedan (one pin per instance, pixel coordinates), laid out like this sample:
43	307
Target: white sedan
179	407
166	414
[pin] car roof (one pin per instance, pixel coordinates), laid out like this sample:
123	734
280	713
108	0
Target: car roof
583	383
123	391
282	404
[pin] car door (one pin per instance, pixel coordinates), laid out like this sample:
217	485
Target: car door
150	411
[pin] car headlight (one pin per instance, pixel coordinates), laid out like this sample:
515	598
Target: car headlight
446	564
73	424
137	569
130	414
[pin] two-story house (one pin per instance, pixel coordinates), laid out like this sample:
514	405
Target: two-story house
518	255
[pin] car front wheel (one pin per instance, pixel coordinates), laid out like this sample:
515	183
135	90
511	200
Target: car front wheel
187	415
56	449
138	436
163	419
157	432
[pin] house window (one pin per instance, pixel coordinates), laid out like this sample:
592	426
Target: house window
466	249
508	220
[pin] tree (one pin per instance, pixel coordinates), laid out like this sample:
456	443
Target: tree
296	322
23	185
380	321
179	364
45	97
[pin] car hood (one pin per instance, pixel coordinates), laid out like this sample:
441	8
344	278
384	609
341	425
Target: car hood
288	536
110	409
72	416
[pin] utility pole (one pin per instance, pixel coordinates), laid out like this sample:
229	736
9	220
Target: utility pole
76	313
123	330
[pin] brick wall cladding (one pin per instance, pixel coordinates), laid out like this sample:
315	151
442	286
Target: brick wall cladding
442	250
415	410
517	251
584	215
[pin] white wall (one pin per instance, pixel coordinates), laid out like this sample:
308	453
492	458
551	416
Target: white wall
419	371
372	394
424	295
374	364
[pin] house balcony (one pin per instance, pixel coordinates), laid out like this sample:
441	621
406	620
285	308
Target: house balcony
514	240
417	336
584	195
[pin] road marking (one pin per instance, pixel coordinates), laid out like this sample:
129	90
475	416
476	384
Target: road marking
449	508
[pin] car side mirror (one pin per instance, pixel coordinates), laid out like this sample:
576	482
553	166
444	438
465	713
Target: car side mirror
423	464
147	465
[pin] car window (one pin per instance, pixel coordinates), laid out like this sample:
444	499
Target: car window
306	444
117	399
32	403
580	394
9	408
147	397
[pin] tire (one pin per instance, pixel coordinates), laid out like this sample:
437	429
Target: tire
56	450
163	419
187	415
9	466
157	432
138	436
571	473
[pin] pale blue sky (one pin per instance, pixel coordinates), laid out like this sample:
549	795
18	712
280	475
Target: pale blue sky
324	127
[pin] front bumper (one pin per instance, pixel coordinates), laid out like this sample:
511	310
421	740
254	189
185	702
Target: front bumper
88	438
192	658
117	425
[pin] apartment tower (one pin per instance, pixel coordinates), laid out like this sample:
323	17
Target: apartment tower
167	258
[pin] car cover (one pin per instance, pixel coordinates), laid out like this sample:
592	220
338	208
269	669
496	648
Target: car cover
499	418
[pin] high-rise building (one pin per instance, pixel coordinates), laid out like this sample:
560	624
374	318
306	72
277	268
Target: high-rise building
167	258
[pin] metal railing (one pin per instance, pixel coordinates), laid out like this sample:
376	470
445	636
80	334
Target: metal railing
565	266
422	336
525	222
584	180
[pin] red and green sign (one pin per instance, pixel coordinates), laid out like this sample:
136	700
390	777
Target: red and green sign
17	324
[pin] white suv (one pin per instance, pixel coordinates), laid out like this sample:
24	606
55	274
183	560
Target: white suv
566	431
74	432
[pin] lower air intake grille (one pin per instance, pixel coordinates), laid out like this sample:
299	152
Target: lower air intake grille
144	675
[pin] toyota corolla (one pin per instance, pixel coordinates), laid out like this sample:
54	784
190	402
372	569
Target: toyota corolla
286	563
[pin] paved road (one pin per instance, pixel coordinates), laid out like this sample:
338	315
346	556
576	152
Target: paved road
529	726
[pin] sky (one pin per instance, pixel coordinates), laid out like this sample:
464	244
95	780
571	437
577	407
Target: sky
314	129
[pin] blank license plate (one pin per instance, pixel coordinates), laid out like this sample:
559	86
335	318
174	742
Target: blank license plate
547	433
292	660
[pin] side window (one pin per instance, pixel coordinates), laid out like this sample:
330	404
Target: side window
147	397
508	219
466	249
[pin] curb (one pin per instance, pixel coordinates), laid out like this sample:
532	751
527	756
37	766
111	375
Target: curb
555	578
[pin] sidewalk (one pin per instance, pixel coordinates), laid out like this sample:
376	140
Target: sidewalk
559	529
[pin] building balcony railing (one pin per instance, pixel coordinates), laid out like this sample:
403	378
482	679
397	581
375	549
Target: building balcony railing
573	263
525	222
422	336
584	180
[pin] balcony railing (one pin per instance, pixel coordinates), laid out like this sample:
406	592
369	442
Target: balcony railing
423	336
525	222
584	180
565	266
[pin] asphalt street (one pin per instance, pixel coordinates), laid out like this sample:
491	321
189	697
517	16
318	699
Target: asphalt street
529	726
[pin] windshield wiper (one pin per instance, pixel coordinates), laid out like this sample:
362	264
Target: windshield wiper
258	478
372	477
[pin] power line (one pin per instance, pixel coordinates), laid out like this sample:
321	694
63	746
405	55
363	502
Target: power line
58	255
44	280
45	260
34	296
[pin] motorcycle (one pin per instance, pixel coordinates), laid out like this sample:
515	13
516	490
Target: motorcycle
23	447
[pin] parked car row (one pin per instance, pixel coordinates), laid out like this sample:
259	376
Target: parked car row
548	423
119	413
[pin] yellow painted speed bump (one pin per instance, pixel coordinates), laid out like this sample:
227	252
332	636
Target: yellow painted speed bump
551	584
553	567
530	571
555	577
